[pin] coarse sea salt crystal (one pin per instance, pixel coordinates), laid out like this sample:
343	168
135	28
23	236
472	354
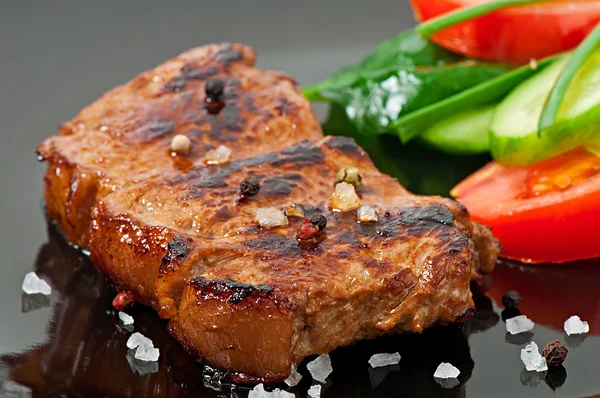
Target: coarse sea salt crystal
519	324
320	368
446	371
146	353
344	197
294	377
259	392
532	359
295	210
125	318
220	155
271	217
137	339
32	284
314	391
574	325
380	360
367	213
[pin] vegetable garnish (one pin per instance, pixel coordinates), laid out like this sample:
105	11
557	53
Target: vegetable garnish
544	212
557	95
514	35
444	21
514	138
489	92
411	87
400	76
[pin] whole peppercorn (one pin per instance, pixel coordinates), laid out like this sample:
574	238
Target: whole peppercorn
555	353
181	144
307	231
511	299
250	186
214	89
349	175
319	221
123	300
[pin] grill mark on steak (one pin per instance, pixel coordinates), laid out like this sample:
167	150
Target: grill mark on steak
176	250
275	186
423	217
301	155
155	128
235	291
227	54
346	144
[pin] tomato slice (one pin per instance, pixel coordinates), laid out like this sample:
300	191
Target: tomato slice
545	212
514	35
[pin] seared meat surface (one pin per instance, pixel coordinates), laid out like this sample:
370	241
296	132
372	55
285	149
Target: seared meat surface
177	233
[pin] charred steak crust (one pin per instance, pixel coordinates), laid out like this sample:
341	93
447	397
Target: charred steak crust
178	233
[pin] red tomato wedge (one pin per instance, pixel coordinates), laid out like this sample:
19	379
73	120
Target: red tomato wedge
514	35
545	212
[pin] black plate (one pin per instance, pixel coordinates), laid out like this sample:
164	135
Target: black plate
55	59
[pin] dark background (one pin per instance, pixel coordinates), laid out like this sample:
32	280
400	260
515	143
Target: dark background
58	56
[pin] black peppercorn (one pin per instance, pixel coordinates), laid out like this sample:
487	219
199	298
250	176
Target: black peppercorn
250	186
555	353
511	299
319	221
214	89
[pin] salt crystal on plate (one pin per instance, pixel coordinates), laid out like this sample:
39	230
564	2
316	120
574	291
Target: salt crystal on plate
138	339
259	392
146	353
294	377
379	360
32	284
519	324
574	325
314	391
125	318
446	371
533	360
320	368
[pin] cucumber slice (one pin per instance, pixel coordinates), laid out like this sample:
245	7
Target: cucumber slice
466	133
514	139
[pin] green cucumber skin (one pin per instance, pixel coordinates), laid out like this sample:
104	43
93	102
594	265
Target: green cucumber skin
561	137
466	133
577	122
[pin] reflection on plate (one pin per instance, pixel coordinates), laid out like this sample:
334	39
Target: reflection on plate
552	292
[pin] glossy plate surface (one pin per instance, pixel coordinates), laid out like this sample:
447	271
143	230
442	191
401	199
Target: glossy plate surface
57	58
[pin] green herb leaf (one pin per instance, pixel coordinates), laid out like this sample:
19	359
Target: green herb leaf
444	21
491	91
408	49
557	95
402	75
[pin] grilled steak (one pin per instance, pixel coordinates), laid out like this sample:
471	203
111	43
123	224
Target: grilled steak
177	232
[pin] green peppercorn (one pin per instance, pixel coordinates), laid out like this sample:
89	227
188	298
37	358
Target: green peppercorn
350	175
